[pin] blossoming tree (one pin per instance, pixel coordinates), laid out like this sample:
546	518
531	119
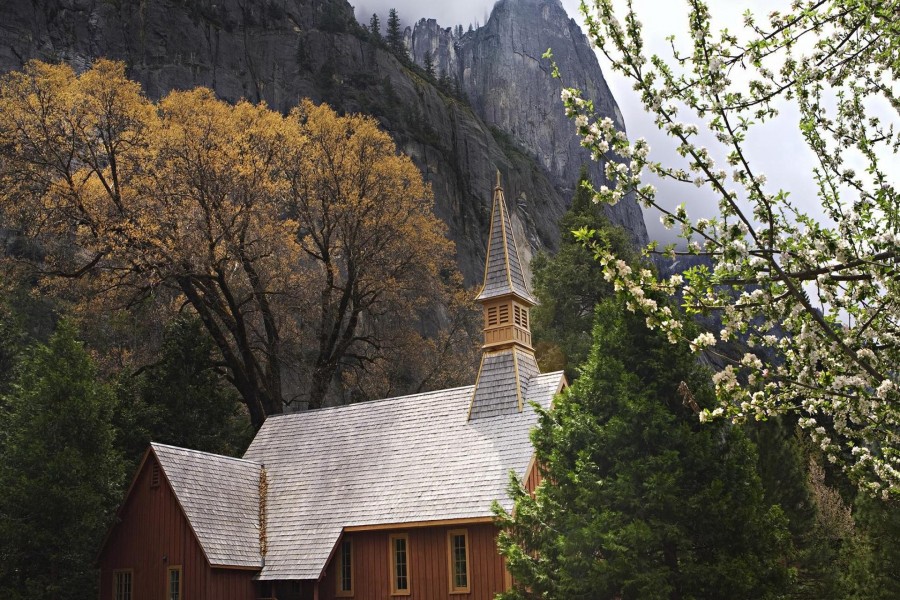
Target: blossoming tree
817	300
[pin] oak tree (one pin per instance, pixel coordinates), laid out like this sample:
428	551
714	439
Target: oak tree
305	243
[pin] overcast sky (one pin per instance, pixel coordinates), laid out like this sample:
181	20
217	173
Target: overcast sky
777	147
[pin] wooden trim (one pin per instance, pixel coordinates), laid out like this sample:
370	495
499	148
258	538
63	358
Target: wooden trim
518	378
415	524
130	573
503	218
532	464
168	592
339	591
451	562
392	549
475	389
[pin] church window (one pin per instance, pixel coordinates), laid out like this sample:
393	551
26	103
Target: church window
174	584
345	569
122	585
399	565
458	542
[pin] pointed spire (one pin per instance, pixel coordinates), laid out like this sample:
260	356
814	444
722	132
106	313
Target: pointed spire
508	362
502	271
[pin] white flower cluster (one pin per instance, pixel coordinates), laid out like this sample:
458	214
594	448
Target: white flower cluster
823	300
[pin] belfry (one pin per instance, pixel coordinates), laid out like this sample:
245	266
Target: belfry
507	360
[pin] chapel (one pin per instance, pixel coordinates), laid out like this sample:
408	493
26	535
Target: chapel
376	500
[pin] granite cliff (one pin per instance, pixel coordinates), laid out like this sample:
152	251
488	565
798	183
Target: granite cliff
278	51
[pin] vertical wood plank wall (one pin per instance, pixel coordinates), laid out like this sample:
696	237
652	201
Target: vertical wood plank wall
429	565
532	478
154	535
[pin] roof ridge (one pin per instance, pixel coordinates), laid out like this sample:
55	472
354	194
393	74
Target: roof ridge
192	451
366	402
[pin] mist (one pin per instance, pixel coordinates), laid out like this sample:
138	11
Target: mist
447	14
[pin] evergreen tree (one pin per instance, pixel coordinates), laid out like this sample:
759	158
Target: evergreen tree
570	283
429	65
872	555
640	500
182	400
459	31
395	34
12	340
375	28
60	475
444	83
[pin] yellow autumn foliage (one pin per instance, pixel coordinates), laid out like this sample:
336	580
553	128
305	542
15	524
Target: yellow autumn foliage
305	242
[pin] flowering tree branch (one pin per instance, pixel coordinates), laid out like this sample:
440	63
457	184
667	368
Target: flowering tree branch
821	297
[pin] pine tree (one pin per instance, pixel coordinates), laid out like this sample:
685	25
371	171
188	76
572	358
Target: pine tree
872	555
12	340
60	475
182	400
395	34
429	65
375	28
639	500
570	283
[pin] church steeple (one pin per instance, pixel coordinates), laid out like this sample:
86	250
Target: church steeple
507	361
504	295
502	269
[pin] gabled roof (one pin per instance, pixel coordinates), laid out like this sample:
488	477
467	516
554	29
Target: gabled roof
400	460
502	270
220	498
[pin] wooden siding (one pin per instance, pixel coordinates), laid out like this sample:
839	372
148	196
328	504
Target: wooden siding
532	477
429	565
154	534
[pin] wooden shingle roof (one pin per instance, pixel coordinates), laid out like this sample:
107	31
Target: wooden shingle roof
220	498
400	460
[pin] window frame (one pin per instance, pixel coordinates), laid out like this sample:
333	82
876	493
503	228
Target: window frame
451	561
392	545
169	570
340	592
115	583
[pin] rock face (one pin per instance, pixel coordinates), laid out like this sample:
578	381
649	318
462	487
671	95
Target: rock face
278	51
509	86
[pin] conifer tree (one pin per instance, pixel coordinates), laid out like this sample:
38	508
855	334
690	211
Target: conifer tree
868	565
375	27
59	473
395	34
429	65
183	400
639	500
570	283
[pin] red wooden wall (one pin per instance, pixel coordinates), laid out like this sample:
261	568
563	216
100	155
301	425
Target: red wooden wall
532	478
429	564
153	535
